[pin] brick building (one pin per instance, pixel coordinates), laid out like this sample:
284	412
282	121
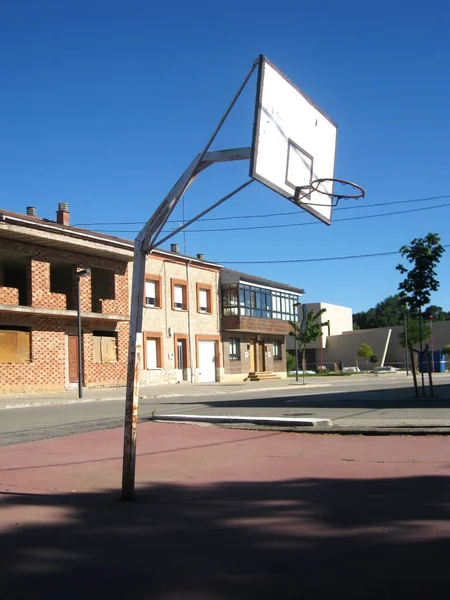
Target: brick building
181	321
254	325
39	260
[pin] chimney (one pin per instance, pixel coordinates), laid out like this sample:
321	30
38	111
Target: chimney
63	214
174	247
31	211
200	256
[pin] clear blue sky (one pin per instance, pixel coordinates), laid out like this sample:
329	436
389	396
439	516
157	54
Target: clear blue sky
103	104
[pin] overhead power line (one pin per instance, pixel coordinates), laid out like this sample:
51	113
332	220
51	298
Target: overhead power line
302	224
306	260
270	215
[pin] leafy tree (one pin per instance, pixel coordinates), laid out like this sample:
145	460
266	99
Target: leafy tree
436	312
413	333
290	362
424	254
374	360
386	313
309	330
365	351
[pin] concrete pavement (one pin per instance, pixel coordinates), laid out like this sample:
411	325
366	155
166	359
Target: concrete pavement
355	403
226	514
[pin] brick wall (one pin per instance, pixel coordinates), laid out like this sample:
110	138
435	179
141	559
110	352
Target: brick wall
39	286
97	374
48	367
46	370
118	306
39	277
9	295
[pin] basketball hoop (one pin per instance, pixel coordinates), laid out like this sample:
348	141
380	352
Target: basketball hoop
358	191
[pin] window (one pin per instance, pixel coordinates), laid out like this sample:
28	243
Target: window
230	300
152	351
234	345
152	296
15	344
179	295
105	346
204	298
277	349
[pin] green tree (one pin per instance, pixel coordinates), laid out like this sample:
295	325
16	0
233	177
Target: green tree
365	351
436	312
374	360
424	254
413	333
309	330
386	313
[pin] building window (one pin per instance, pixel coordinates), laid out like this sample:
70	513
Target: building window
277	350
15	344
204	298
152	295
230	300
251	301
179	295
152	351
234	345
105	346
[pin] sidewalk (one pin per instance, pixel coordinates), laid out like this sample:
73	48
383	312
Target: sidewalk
225	514
152	391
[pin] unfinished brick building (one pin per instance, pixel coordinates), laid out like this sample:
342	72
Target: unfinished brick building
39	260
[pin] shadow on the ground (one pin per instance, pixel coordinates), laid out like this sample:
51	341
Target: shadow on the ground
371	399
305	538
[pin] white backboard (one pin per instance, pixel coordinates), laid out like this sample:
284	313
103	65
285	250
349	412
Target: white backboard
294	142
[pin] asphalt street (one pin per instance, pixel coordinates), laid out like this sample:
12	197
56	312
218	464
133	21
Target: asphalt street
347	401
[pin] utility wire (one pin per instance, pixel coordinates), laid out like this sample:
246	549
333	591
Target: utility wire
284	214
306	260
302	224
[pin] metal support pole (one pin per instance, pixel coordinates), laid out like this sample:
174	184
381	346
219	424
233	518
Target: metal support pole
421	362
296	358
405	327
80	341
132	391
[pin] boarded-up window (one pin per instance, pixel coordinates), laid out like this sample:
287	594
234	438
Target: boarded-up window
105	346
15	346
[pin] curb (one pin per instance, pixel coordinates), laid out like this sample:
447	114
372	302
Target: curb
283	421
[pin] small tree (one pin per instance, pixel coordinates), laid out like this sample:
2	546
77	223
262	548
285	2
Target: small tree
365	351
374	360
415	290
309	330
414	333
290	362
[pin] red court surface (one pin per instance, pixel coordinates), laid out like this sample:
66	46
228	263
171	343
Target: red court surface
225	513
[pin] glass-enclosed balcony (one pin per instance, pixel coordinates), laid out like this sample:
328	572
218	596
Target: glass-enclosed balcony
252	301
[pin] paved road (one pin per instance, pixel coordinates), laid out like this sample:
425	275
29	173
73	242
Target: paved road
349	402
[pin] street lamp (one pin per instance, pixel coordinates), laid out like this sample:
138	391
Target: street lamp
297	305
80	274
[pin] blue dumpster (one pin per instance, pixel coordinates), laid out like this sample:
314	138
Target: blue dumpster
438	362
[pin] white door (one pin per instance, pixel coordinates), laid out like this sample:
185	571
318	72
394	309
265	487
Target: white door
207	361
